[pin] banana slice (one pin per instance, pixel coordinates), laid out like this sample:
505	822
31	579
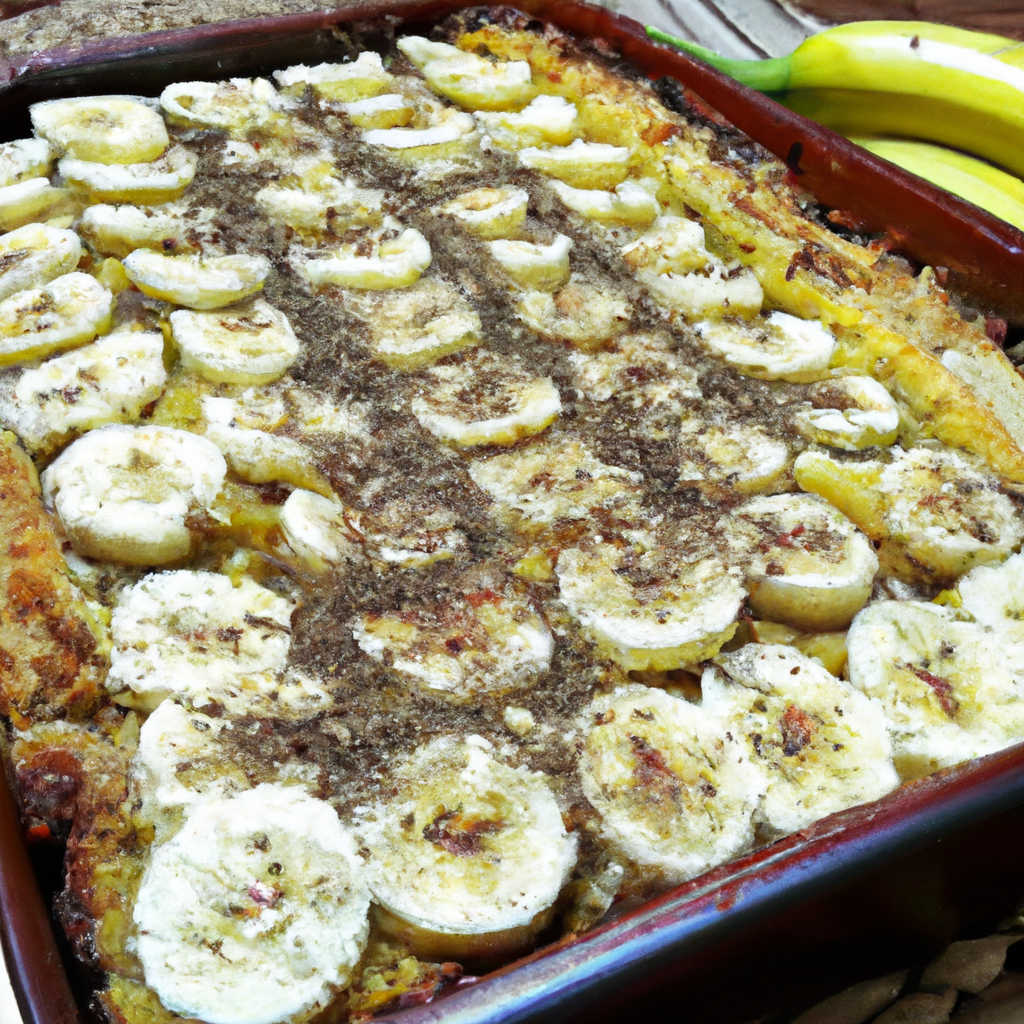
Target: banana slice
674	792
330	206
397	263
485	399
416	326
125	493
543	267
250	344
68	311
546	120
714	292
742	455
24	159
357	80
641	370
102	129
935	514
110	381
807	565
775	347
994	595
195	281
674	245
120	230
225	904
554	480
950	689
31	200
851	413
445	127
481	642
589	165
161	181
388	111
651	606
821	744
467	79
468	855
186	758
490	212
321	530
630	203
583	313
34	254
409	533
233	105
195	633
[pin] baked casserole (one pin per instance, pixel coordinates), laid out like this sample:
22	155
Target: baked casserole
454	494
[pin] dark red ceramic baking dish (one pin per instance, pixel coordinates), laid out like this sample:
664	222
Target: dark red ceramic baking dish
695	926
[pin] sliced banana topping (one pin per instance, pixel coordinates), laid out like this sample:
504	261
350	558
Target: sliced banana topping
110	381
994	595
120	230
161	181
388	111
674	791
446	126
363	77
195	633
34	254
128	494
320	530
68	311
225	905
186	758
775	347
821	744
468	855
102	129
544	267
463	646
587	165
650	606
233	105
490	212
467	79
416	326
807	564
630	203
935	514
743	455
950	689
32	200
851	413
260	457
674	245
485	399
410	534
642	370
195	281
327	205
546	120
396	263
586	315
713	292
23	159
250	344
554	480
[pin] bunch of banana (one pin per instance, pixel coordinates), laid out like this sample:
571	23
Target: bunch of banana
912	80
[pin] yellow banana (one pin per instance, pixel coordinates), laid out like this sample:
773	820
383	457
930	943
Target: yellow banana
974	180
910	78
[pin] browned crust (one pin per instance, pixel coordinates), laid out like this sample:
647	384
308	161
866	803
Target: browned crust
50	662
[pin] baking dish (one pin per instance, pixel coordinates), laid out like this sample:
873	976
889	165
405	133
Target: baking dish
696	914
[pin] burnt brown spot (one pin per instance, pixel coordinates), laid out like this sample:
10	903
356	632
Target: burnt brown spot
797	730
942	688
459	835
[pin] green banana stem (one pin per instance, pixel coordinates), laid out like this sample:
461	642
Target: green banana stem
770	75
